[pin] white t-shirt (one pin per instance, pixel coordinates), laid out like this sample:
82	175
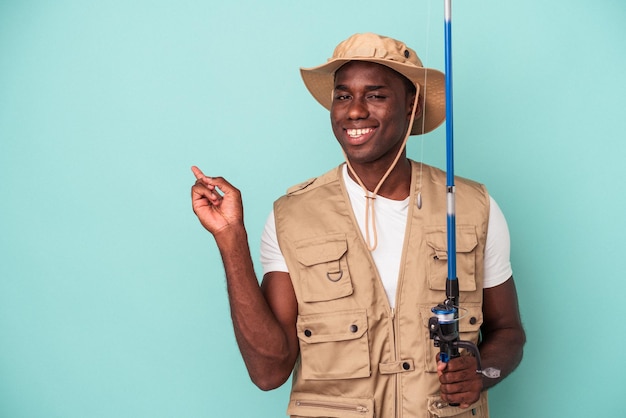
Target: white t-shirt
391	216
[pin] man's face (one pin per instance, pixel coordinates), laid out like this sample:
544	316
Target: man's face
370	111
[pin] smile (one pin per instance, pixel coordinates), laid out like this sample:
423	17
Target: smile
355	133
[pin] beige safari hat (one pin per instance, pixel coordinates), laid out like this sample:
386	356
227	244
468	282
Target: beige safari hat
394	54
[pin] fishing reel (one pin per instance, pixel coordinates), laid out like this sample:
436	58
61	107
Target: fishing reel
444	331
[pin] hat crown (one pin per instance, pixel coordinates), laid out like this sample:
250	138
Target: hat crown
364	46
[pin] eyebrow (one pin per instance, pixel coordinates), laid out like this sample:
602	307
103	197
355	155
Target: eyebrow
343	87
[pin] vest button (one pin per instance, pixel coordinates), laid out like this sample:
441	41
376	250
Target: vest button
354	328
406	366
308	332
473	320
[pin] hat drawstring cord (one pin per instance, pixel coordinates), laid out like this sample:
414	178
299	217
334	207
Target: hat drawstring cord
370	197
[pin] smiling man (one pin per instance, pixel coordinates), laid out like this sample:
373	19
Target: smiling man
355	259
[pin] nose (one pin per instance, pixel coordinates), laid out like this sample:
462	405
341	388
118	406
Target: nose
357	109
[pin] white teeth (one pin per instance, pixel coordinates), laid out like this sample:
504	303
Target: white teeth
353	133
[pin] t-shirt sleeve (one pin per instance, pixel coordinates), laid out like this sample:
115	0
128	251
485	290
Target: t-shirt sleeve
271	257
497	249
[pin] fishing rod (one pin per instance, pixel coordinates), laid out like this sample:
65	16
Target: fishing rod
452	284
444	326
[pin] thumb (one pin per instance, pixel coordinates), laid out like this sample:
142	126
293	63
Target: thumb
441	366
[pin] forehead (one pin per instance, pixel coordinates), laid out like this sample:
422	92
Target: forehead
376	73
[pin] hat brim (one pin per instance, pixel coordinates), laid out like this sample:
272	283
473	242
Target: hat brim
320	81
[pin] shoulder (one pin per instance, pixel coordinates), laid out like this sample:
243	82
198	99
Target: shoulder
438	176
315	182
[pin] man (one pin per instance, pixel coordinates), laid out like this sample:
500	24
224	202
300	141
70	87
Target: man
355	259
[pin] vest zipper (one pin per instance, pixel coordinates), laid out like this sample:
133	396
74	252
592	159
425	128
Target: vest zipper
332	405
394	321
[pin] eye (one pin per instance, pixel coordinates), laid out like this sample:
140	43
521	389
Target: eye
341	97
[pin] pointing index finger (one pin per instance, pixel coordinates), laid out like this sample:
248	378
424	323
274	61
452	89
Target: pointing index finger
197	172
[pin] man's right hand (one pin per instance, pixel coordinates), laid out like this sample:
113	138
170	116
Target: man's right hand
216	211
264	319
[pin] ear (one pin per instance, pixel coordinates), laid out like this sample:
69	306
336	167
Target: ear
413	102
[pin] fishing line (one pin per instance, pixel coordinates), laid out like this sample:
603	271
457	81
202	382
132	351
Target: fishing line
424	110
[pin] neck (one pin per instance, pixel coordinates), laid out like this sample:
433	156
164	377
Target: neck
396	186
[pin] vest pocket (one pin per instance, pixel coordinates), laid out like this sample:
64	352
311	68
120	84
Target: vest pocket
324	272
466	243
439	409
313	405
334	345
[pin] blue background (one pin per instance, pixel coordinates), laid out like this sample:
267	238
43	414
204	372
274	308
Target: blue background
112	296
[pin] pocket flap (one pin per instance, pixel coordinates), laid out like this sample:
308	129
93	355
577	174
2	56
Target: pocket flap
470	316
321	250
334	326
466	240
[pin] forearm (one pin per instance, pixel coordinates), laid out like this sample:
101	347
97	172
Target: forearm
503	334
261	339
503	350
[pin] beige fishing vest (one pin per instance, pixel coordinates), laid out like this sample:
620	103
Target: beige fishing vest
359	357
